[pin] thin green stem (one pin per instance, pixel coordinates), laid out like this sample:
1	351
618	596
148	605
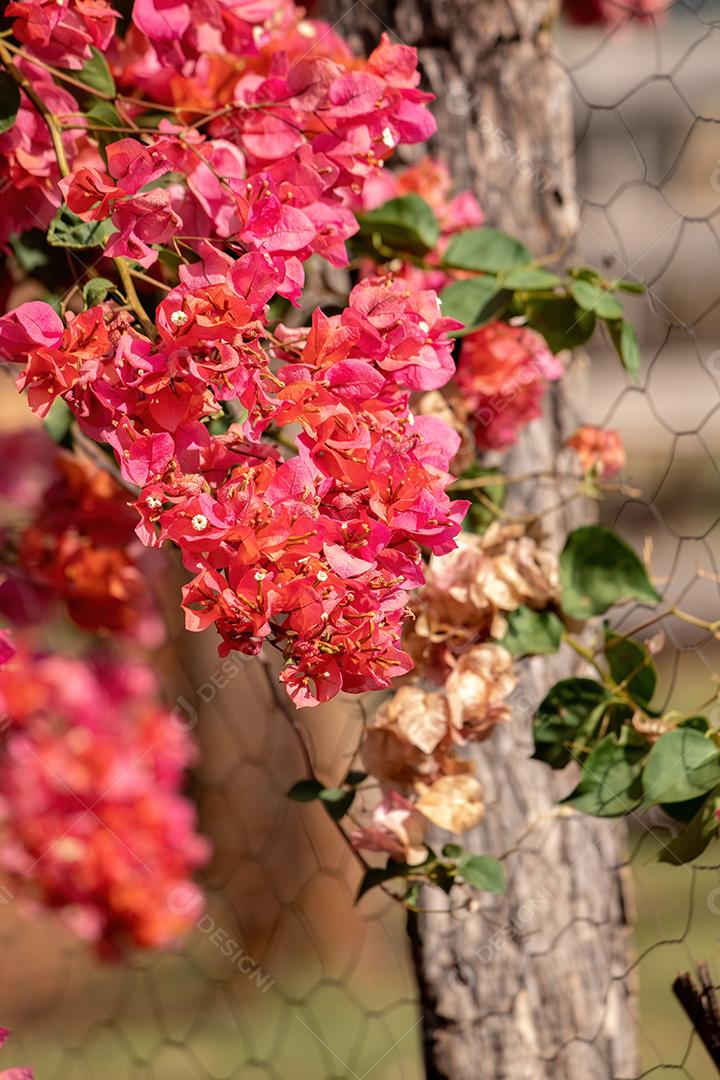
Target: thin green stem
26	86
121	265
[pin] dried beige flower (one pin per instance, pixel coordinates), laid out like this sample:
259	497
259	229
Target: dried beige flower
417	716
454	803
470	590
392	759
476	689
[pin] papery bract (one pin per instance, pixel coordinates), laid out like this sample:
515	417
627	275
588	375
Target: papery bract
94	737
503	374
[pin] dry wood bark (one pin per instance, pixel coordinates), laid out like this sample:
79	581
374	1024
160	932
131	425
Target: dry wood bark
531	985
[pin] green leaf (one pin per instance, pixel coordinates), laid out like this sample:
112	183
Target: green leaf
150	119
95	291
172	262
683	811
406	224
625	341
570	711
592	297
610	784
629	286
57	422
624	657
479	516
485	249
103	114
355	777
412	895
483	872
376	875
681	765
305	791
442	876
453	851
95	74
473	302
69	231
531	279
694	838
9	101
337	801
598	569
27	257
532	632
561	321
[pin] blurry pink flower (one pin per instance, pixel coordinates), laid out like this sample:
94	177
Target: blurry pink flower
599	450
397	828
7	649
614	12
93	819
502	374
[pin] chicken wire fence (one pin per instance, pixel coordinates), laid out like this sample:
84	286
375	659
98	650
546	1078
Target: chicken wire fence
283	977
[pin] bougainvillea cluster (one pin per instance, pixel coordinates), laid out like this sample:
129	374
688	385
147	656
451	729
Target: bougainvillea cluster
503	373
68	542
317	552
92	822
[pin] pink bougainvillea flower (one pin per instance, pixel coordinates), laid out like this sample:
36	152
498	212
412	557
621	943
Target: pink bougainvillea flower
28	327
397	829
142	221
502	375
90	194
29	170
162	20
7	649
61	32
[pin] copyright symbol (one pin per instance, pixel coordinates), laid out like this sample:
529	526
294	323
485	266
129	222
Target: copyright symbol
713	901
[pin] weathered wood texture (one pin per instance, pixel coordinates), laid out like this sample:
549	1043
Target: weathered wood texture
530	986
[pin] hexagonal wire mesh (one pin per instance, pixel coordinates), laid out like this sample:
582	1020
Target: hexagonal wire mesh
284	977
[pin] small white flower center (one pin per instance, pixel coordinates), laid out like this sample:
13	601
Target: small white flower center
199	522
424	326
153	502
306	29
388	138
322	575
178	318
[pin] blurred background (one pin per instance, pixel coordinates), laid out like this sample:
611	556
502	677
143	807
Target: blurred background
334	995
